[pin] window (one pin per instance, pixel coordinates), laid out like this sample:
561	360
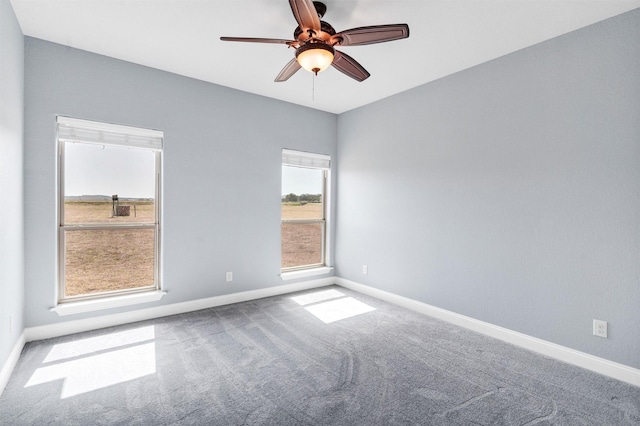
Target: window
304	210
109	186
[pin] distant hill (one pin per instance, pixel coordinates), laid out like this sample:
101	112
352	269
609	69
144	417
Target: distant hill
102	198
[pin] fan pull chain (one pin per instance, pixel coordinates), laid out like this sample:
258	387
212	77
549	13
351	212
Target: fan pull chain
313	88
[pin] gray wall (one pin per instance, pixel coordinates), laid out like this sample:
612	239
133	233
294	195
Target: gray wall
222	169
11	182
509	192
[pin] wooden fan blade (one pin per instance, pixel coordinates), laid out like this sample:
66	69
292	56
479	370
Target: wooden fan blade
346	64
305	13
370	35
259	40
290	69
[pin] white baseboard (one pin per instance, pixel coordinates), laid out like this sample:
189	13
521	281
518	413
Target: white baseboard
599	365
77	326
11	362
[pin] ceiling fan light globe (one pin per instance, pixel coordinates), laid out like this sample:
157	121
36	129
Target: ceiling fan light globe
315	57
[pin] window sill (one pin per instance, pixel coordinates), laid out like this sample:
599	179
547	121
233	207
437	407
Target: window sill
107	303
285	276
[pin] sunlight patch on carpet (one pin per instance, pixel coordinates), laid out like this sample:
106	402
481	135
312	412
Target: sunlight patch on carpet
99	362
339	309
99	343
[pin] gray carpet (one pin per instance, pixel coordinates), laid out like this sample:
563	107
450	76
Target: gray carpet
347	360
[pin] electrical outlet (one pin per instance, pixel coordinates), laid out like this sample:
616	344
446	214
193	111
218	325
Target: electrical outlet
365	269
600	328
229	276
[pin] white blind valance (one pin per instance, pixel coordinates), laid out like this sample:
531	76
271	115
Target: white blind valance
305	159
76	130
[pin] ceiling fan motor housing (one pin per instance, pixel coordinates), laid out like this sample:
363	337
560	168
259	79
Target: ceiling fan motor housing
325	33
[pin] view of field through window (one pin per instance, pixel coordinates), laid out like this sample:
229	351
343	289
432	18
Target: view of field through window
301	242
101	260
303	225
108	227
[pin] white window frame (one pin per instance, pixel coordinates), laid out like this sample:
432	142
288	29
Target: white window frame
310	160
70	130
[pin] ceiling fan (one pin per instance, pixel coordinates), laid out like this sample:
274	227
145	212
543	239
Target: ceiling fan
315	42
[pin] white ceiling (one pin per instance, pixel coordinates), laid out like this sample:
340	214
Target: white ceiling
183	37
